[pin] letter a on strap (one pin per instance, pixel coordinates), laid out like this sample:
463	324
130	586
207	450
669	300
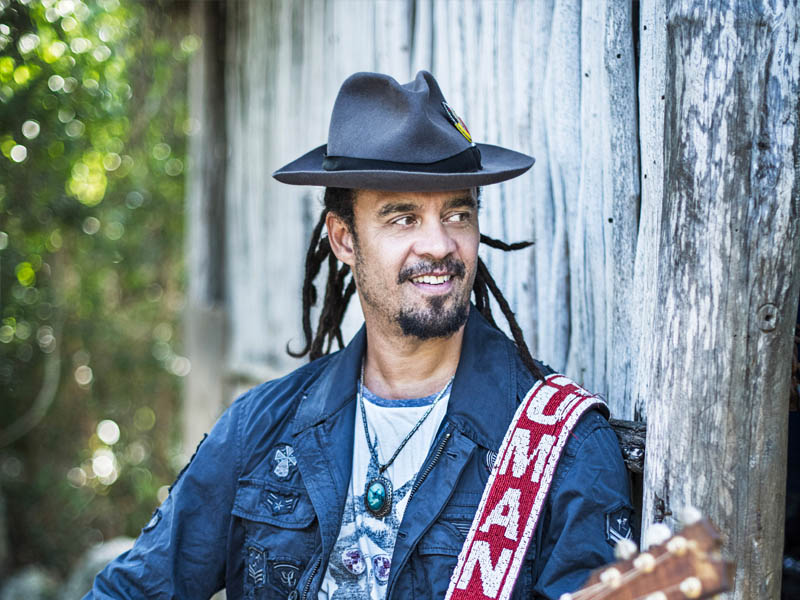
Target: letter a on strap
512	501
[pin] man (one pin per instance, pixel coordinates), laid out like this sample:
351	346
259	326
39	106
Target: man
359	474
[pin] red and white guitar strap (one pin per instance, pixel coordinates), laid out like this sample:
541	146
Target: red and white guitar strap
512	501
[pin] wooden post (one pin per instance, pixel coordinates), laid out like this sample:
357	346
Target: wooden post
726	250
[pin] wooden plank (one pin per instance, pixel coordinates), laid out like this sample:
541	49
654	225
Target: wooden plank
549	315
728	247
652	82
620	217
561	106
204	316
587	346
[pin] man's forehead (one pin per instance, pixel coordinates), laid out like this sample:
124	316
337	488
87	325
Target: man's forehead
384	202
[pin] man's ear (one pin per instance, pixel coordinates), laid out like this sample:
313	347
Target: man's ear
341	239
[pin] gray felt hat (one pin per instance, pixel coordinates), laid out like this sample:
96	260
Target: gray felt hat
387	136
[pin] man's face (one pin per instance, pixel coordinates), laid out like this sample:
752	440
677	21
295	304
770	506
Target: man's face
415	257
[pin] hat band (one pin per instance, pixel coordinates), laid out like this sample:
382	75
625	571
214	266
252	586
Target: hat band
468	161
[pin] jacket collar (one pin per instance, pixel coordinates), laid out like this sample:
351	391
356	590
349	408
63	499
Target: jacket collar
485	389
336	386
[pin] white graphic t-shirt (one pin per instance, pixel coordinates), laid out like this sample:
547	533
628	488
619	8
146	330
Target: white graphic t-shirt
362	557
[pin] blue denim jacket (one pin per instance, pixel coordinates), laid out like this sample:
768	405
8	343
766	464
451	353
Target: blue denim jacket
261	519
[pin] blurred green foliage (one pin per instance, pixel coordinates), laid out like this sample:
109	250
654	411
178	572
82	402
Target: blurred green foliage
93	121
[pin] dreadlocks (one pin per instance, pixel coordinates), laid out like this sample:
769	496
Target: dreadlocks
339	201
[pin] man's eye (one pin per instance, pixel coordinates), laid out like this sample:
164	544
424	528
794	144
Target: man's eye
404	220
458	217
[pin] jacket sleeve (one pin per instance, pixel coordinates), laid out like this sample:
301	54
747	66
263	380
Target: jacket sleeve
588	510
181	552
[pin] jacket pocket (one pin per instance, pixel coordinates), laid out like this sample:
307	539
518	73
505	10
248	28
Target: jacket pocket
435	558
437	555
280	532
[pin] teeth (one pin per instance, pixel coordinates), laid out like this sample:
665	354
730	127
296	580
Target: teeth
431	279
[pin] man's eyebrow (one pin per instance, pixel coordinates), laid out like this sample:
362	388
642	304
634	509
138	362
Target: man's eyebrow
461	202
397	207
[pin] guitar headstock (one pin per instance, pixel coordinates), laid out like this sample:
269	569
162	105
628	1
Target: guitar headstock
686	566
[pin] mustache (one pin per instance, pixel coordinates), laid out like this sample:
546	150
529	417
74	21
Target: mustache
452	266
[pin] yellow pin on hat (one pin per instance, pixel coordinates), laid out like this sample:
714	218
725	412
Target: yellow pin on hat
457	121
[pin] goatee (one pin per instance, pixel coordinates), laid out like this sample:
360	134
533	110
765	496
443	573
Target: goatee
436	322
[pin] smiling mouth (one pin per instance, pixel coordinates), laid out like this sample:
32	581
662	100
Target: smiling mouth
428	272
431	279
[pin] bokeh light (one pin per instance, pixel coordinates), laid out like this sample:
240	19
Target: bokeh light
19	153
55	83
137	452
83	375
91	225
161	151
30	129
77	477
144	418
104	466
108	432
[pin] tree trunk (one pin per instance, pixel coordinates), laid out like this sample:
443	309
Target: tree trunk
726	251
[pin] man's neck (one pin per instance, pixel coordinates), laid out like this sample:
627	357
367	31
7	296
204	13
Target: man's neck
400	366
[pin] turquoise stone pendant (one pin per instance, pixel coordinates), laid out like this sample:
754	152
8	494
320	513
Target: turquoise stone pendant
378	496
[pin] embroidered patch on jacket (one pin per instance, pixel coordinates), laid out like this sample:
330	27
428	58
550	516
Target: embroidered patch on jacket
461	526
284	574
491	458
284	462
618	526
280	504
255	567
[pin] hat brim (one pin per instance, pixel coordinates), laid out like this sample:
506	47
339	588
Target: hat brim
497	164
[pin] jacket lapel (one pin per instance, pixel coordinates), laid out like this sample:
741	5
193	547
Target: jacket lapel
323	432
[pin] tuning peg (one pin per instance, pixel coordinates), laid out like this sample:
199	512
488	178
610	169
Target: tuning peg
645	562
625	549
656	534
689	515
691	587
611	577
678	545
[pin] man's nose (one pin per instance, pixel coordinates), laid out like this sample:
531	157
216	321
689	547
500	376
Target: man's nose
434	240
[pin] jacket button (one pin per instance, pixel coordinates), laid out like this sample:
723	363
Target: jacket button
294	595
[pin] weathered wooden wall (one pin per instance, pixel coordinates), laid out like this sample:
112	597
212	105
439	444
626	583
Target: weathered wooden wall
545	78
660	206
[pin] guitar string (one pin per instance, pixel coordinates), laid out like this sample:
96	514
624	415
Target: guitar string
625	578
665	590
